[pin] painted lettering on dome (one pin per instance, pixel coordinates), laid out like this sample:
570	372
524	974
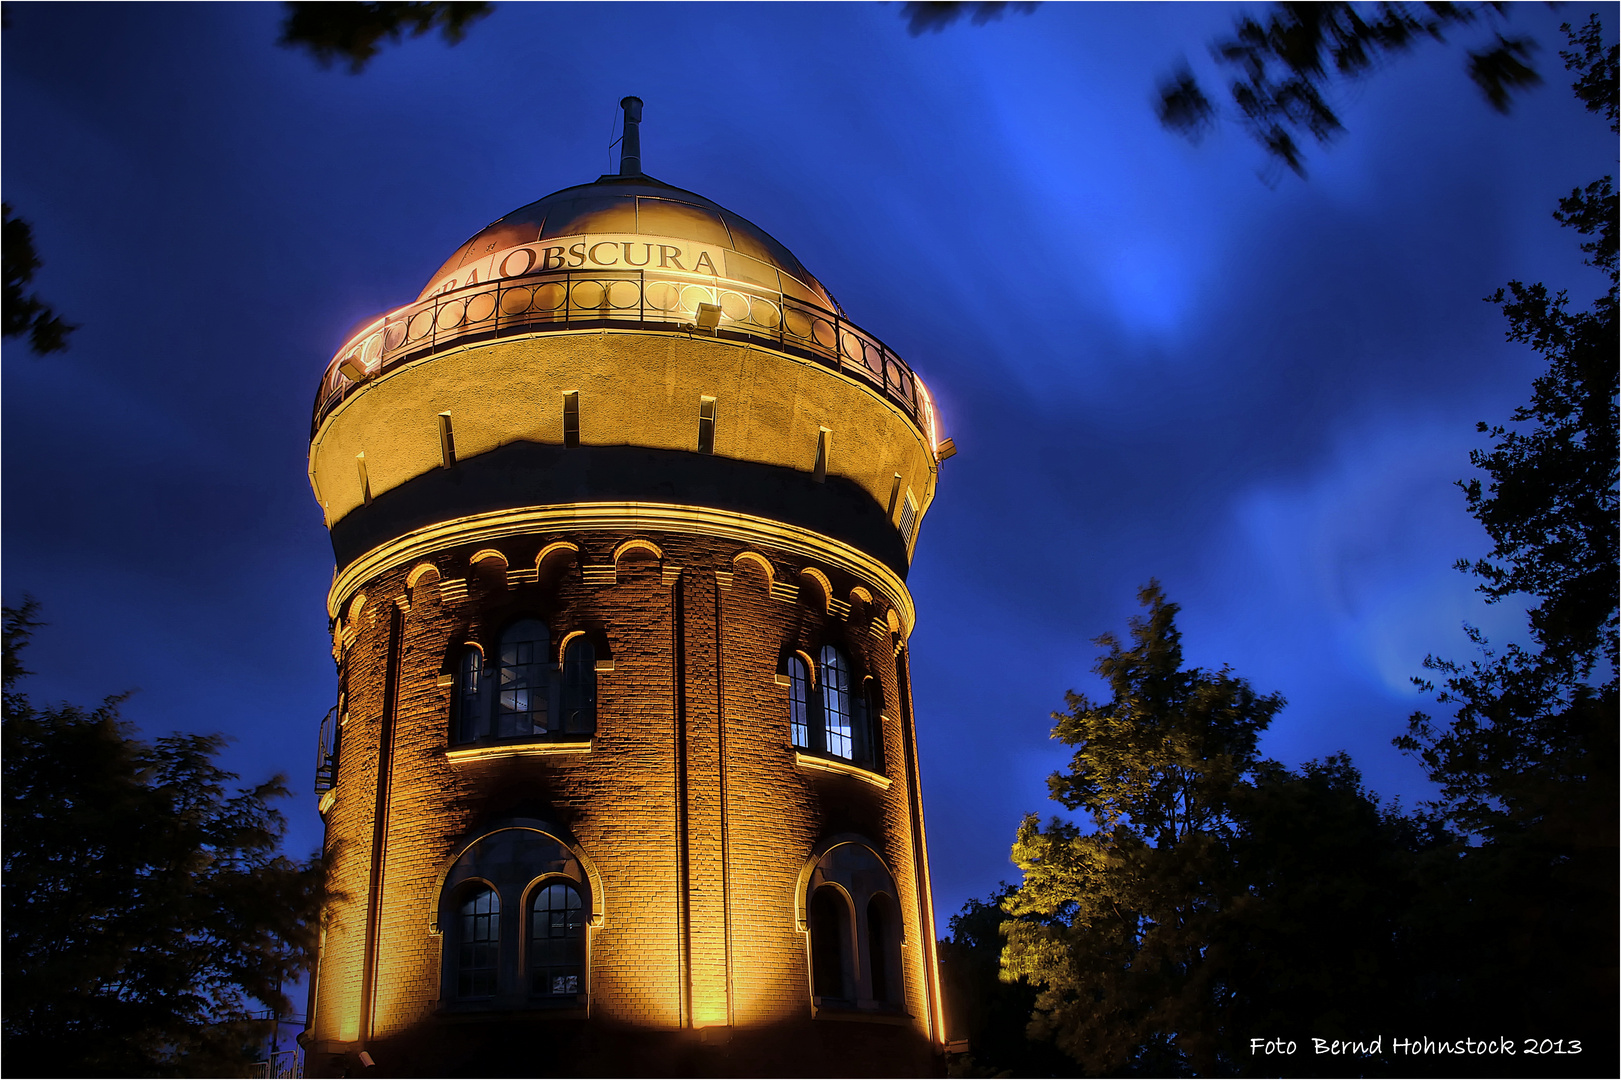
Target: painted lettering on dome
611	251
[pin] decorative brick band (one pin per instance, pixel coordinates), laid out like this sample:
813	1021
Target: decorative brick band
744	529
600	574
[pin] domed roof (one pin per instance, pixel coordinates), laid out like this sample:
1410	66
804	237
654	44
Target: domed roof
599	218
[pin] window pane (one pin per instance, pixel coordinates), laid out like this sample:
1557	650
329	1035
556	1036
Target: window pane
556	941
836	702
521	704
478	944
798	703
580	687
471	717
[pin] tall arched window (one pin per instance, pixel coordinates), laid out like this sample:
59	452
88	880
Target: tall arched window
799	703
478	943
837	716
831	968
883	950
579	687
522	685
855	931
472	708
836	703
556	941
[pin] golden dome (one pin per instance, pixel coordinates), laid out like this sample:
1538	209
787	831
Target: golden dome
628	222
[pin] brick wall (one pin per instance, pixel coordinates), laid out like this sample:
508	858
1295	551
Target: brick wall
689	804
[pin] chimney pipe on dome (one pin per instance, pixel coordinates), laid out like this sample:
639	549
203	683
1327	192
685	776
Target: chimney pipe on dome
630	146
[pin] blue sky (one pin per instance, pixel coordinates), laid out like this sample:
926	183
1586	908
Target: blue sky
1155	360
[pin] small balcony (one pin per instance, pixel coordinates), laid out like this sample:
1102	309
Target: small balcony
326	752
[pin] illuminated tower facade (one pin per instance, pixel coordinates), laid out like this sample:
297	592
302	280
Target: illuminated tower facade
622	775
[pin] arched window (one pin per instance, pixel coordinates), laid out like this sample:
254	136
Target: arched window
522	685
579	687
472	708
478	943
855	931
831	968
883	950
799	703
836	703
515	909
838	716
556	941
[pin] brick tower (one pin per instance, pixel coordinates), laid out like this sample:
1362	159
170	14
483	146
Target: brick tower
622	776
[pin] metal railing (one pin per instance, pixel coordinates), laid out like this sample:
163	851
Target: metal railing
326	752
578	299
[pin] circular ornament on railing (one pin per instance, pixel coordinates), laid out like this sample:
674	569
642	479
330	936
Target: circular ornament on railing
550	296
451	315
693	295
763	312
663	295
797	322
899	380
422	324
586	294
624	296
393	335
516	301
372	351
822	331
481	307
872	358
850	347
735	306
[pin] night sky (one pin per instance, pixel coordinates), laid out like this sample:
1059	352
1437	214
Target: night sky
1156	360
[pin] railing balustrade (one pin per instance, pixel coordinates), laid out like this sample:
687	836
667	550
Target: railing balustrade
570	299
326	752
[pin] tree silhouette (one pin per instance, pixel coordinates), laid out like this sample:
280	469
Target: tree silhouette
1527	763
935	15
148	917
1283	67
354	32
24	312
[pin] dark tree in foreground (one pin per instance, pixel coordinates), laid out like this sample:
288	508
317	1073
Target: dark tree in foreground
1285	68
26	313
355	32
147	915
1527	763
1215	895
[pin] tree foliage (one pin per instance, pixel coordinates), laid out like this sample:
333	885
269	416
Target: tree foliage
981	1008
25	313
1527	762
1285	68
1214	894
935	15
148	916
355	32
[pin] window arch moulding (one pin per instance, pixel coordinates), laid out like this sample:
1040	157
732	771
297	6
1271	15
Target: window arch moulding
586	871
